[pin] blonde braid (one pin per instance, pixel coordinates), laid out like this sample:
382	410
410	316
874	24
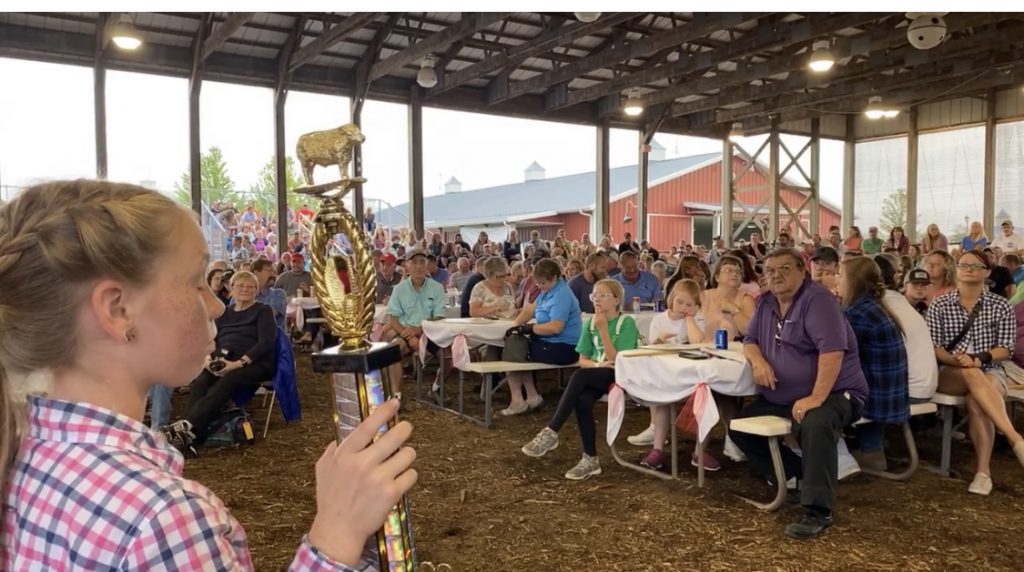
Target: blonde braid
55	240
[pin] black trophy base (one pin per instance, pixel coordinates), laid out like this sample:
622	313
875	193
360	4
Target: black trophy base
376	356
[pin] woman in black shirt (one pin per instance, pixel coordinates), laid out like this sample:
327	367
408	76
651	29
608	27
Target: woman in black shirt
244	357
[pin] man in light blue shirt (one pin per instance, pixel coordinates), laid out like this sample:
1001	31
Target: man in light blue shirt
636	283
413	300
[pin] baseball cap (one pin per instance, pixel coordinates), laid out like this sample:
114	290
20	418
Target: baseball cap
388	258
918	276
825	254
1007	222
413	253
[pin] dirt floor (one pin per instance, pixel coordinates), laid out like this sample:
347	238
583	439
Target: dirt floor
481	505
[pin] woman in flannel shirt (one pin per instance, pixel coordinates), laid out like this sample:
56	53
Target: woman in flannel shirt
971	364
119	271
883	356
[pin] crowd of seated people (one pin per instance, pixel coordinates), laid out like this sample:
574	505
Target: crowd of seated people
916	317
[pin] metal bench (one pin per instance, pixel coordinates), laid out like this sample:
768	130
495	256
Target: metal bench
486	369
908	435
947	404
771	427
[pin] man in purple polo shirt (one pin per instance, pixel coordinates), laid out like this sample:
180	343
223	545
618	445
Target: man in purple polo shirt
804	356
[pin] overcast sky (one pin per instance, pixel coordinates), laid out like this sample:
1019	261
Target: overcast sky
51	135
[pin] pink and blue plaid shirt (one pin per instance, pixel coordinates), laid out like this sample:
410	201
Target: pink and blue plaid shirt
94	490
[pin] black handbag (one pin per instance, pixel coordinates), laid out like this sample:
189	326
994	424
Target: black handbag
517	348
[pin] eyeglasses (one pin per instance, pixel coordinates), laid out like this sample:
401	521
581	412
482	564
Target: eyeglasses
778	331
970	266
781	270
600	296
730	270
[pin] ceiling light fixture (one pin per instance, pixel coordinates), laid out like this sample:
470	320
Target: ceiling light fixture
427	76
587	17
821	60
736	132
124	35
634	105
877	110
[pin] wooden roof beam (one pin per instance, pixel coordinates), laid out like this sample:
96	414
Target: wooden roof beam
543	43
223	31
741	90
760	39
471	23
699	27
943	70
328	38
937	89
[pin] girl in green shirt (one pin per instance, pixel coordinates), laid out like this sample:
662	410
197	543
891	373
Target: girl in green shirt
602	338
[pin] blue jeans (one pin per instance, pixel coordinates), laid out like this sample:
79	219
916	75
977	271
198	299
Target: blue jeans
871	437
160	406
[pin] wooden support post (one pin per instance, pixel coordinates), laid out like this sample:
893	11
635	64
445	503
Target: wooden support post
911	228
281	163
850	173
602	191
725	220
774	184
815	201
989	209
416	163
641	187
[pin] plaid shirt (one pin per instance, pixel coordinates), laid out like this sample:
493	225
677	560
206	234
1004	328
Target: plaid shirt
94	490
995	326
883	357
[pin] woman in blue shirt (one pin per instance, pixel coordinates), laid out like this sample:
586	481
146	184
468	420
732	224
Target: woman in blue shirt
552	338
975	240
883	356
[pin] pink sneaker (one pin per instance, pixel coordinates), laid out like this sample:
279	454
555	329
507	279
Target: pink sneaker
656	459
710	463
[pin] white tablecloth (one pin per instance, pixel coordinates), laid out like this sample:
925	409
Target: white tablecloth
666	378
478	331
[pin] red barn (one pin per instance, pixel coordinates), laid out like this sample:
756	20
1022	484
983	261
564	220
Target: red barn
684	203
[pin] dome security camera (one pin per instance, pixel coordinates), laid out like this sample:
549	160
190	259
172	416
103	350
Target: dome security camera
926	31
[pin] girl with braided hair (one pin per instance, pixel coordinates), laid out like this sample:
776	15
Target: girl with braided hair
103	295
883	355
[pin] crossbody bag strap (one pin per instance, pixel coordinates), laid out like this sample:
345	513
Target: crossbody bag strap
967	327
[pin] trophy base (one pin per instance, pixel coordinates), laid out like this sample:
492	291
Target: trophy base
376	356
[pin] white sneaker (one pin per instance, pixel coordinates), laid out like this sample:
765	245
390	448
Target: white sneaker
848	465
981	485
732	451
587	467
643	438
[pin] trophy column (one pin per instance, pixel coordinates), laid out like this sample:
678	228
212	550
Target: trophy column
359	384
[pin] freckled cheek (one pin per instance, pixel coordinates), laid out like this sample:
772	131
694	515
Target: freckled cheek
189	315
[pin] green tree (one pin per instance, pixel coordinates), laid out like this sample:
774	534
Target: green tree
264	192
216	183
894	211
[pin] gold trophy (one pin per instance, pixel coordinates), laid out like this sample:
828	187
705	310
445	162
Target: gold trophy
345	286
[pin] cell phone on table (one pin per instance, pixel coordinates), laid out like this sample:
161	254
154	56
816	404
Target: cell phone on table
692	354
